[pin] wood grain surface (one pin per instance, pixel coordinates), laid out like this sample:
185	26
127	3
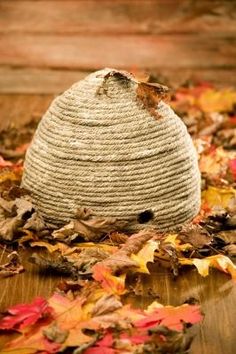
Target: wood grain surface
62	39
46	81
91	52
117	17
17	110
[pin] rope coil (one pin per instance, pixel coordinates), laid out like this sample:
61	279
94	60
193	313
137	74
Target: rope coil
98	147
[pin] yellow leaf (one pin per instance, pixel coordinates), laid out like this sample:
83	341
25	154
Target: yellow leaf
59	246
202	265
66	250
217	101
225	264
9	175
173	240
145	255
219	261
210	165
91	301
219	197
109	282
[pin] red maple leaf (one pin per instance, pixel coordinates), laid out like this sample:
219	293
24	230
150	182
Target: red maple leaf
171	317
24	315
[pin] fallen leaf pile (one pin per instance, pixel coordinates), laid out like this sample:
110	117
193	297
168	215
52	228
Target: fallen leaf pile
87	314
95	321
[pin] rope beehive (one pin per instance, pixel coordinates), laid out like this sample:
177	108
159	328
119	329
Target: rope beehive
101	147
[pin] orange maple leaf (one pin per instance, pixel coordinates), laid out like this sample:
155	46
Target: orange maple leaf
111	283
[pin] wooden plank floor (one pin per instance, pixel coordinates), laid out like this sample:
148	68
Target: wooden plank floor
216	293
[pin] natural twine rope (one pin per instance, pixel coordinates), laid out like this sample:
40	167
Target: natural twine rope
107	152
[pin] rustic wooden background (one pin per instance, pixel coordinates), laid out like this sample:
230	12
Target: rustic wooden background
46	45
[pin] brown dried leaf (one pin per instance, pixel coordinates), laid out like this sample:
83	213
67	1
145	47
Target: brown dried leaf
230	250
169	250
6	205
13	216
86	259
12	267
122	77
106	304
150	95
70	285
93	229
73	263
35	223
8	227
231	222
136	241
175	341
121	260
23	206
55	264
229	236
90	227
14	192
118	237
55	334
195	235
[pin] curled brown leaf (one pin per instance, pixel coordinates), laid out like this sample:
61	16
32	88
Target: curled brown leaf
12	267
121	260
150	95
13	216
105	305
